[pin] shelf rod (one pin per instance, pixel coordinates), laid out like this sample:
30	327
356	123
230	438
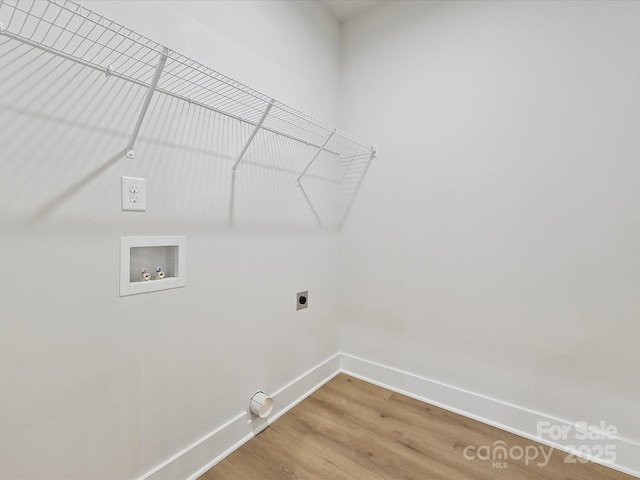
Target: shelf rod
241	119
147	101
114	73
253	134
314	158
109	71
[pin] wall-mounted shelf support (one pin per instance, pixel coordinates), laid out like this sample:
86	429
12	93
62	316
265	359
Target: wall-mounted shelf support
314	158
253	134
147	100
74	33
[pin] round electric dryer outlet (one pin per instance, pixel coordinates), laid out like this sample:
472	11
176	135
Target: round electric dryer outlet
303	300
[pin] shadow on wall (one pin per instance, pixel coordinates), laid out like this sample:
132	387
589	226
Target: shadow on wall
69	191
57	118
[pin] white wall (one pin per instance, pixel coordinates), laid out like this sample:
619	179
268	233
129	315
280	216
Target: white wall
103	387
494	246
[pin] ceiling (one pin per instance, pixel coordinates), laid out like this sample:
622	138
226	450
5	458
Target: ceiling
343	10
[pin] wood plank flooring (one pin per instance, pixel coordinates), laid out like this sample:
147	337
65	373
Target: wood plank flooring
350	429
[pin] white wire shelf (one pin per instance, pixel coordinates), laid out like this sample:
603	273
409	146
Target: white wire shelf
69	30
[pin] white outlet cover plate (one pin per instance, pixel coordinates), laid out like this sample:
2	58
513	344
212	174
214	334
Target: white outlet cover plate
134	194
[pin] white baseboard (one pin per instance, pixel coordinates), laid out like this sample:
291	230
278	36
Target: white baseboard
203	454
503	415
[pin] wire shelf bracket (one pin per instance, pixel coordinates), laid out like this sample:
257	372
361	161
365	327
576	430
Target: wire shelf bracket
253	134
147	99
314	159
75	33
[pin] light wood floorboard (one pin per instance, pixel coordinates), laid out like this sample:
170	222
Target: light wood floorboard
350	429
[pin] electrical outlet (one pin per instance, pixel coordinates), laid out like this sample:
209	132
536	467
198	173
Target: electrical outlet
134	194
303	300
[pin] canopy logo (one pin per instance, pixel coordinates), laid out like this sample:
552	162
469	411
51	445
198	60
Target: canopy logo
591	442
499	453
